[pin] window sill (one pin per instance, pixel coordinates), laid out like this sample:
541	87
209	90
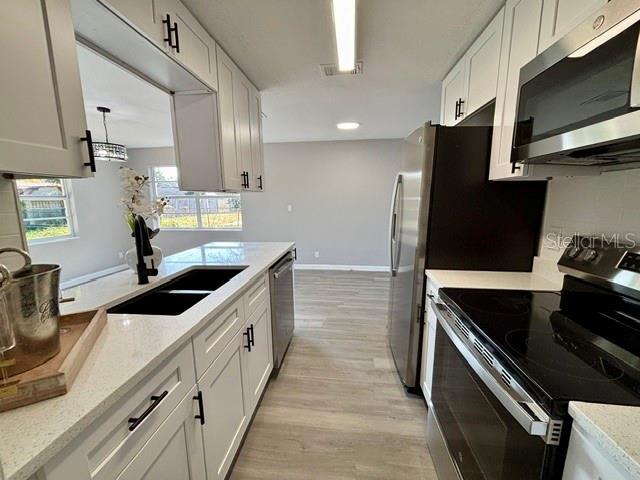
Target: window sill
52	240
200	230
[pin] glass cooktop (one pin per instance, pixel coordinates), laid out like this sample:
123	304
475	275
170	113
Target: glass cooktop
579	344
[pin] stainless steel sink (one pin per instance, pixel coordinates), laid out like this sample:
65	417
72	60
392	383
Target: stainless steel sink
179	294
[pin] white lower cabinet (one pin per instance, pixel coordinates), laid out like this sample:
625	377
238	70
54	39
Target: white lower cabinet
586	461
187	419
227	408
428	343
175	451
260	358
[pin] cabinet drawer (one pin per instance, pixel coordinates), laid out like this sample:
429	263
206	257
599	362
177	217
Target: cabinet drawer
110	444
256	295
212	340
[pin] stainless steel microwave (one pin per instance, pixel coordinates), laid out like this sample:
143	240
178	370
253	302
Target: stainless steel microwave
579	100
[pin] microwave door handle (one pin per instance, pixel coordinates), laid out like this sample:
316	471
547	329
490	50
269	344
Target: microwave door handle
516	407
634	97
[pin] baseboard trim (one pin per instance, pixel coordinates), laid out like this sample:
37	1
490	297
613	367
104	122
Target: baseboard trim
347	268
74	282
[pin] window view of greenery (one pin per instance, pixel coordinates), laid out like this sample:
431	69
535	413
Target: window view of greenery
215	211
45	208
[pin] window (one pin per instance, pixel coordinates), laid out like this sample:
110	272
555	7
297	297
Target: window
194	210
46	208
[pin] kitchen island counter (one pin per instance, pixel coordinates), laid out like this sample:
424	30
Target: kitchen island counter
129	348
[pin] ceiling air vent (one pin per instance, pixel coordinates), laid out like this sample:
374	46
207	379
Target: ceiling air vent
331	70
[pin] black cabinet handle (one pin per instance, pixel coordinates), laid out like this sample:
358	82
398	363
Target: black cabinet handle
175	30
155	401
260	182
92	157
245	179
455	115
248	335
200	415
460	112
253	338
170	31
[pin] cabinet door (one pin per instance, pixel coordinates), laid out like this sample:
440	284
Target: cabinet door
242	100
193	46
144	15
560	16
43	117
483	60
260	358
519	46
587	461
257	158
175	451
453	92
231	159
227	413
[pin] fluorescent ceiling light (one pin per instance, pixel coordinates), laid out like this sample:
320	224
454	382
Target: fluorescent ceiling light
347	125
607	35
344	21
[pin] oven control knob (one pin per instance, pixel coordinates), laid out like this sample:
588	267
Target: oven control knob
573	251
590	255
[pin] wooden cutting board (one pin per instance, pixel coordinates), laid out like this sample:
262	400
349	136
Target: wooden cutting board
78	334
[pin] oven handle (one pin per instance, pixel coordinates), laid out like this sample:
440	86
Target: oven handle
532	425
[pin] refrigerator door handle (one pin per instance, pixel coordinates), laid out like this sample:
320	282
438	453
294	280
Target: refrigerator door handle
393	224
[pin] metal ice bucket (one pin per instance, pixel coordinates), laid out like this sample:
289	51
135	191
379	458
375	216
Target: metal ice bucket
29	301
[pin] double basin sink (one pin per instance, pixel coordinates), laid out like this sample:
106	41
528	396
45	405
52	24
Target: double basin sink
179	294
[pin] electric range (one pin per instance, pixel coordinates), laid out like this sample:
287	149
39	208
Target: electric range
508	362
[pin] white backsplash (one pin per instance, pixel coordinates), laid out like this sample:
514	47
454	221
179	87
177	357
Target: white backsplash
606	204
10	228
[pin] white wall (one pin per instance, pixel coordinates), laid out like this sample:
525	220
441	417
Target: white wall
101	234
339	192
606	204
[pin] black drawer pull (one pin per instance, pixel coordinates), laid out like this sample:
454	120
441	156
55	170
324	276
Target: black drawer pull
92	158
248	335
200	415
253	338
155	401
260	182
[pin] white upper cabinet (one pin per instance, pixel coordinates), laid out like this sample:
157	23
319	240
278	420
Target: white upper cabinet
483	60
231	159
560	16
43	120
240	128
188	41
143	15
453	94
519	46
257	157
472	82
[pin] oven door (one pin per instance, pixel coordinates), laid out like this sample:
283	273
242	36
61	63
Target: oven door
578	100
483	437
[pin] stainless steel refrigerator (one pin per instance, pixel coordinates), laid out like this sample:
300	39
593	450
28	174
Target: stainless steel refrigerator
445	214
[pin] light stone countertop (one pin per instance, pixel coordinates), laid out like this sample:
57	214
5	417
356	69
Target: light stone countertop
614	429
128	349
492	280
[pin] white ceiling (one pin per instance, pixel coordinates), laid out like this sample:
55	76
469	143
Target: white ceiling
407	47
140	113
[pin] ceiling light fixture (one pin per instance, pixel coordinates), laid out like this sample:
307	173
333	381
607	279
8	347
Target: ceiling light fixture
344	22
111	152
347	125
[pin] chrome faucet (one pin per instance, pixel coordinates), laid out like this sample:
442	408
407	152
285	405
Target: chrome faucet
143	235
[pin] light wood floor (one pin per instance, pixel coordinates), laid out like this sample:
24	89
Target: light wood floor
337	410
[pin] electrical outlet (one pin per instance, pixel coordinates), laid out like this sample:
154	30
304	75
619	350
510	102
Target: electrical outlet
316	254
289	208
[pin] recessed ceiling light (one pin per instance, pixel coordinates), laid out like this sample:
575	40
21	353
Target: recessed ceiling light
344	21
347	125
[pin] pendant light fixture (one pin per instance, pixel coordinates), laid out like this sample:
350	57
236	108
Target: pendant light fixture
111	152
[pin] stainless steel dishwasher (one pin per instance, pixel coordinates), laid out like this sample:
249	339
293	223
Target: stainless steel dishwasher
282	307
